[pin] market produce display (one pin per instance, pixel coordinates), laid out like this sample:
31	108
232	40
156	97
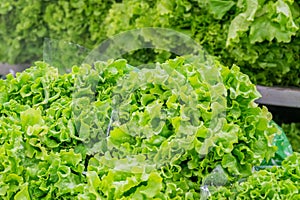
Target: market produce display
115	132
149	123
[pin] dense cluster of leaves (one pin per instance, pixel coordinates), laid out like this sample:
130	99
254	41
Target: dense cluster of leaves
273	183
261	36
114	132
293	133
25	24
233	30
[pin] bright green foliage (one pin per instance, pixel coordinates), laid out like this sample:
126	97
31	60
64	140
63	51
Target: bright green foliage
25	24
293	133
114	132
278	182
260	36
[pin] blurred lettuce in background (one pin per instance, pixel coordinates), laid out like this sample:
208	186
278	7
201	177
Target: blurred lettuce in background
262	37
292	131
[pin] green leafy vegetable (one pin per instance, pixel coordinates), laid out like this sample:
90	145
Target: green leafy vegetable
115	132
262	37
235	31
277	182
25	24
293	133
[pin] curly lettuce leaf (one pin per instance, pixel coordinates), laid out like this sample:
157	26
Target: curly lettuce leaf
115	132
277	182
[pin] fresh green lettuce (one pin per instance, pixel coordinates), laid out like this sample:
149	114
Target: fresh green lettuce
292	131
262	37
115	132
235	31
277	182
